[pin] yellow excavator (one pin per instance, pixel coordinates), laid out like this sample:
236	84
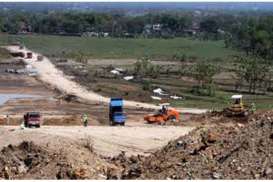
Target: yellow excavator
238	109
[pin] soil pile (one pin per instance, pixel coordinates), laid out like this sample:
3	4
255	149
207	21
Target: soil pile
29	161
222	152
218	117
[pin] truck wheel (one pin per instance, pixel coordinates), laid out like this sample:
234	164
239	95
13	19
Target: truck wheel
122	124
162	123
38	126
172	118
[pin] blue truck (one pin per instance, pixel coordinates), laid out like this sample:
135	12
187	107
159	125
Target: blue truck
116	115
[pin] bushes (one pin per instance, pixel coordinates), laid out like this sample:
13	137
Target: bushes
144	67
205	90
180	57
146	85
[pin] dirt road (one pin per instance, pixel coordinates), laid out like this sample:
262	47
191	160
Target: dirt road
49	74
108	141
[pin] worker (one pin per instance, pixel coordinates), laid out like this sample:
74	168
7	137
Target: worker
164	109
7	117
22	125
85	120
253	107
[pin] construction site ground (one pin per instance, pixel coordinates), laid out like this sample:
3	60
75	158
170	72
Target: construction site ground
204	146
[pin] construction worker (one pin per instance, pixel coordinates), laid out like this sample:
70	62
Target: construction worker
164	109
22	125
85	120
253	107
7	117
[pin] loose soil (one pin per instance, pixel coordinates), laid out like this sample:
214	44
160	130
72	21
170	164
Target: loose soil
221	152
224	151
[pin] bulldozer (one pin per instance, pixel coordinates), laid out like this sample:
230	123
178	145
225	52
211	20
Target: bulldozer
163	115
237	109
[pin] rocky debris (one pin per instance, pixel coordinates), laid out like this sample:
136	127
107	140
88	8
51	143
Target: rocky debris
68	97
28	161
221	152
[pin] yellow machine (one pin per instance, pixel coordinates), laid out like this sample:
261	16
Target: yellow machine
237	108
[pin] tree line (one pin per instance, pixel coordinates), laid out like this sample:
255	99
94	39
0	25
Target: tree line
207	25
79	22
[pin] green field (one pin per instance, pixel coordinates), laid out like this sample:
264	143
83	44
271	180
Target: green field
120	48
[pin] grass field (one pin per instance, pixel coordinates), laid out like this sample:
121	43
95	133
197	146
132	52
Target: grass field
222	100
120	48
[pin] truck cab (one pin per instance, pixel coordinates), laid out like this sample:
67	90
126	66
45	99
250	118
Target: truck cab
116	114
32	119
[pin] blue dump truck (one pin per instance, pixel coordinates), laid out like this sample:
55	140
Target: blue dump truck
116	115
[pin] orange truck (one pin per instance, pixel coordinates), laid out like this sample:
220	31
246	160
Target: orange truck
163	115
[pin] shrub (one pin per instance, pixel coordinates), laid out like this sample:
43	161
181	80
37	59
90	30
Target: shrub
146	85
205	90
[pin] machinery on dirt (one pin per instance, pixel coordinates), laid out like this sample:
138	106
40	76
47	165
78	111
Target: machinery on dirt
116	114
163	115
18	54
237	109
32	119
29	55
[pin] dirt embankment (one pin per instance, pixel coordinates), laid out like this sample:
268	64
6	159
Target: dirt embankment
30	161
226	151
65	152
222	152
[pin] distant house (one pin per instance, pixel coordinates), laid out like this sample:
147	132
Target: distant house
128	35
152	30
193	30
105	34
195	26
189	31
157	27
90	34
95	34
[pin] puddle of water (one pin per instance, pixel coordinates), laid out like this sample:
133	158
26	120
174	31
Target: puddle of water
5	97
